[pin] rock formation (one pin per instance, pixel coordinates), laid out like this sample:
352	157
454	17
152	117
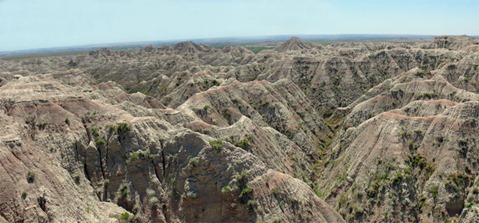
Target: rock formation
346	132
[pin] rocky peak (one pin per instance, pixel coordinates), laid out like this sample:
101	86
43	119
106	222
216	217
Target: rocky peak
189	47
293	44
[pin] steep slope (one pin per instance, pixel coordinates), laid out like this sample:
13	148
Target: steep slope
78	145
406	149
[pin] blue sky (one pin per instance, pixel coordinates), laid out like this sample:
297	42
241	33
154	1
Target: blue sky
29	24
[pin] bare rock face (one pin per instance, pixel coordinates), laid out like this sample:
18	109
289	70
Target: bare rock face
355	132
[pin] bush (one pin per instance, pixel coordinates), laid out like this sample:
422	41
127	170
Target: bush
242	176
111	128
373	189
226	189
422	73
95	132
216	144
154	202
416	160
246	191
134	155
123	190
24	195
122	128
244	144
100	141
125	216
358	211
397	178
194	162
342	200
433	190
30	176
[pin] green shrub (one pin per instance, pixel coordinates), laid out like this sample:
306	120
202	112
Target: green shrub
100	141
123	190
416	160
246	191
111	128
429	95
251	203
358	211
216	144
373	189
242	176
134	156
422	73
194	162
24	195
456	182
154	202
122	128
95	132
397	178
226	189
125	216
30	176
433	190
244	144
342	200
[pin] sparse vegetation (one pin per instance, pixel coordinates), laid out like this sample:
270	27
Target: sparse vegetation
342	200
433	190
100	142
422	73
216	144
243	143
124	217
154	202
134	156
246	191
226	189
123	128
140	155
30	176
95	132
456	182
321	116
193	162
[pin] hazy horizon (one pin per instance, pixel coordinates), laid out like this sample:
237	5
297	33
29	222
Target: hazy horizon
36	24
